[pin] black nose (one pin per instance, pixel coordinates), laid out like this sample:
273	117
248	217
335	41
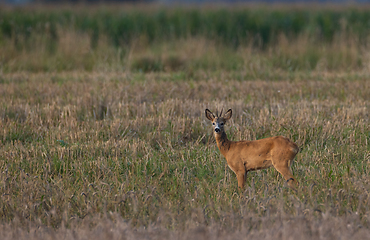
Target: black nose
217	130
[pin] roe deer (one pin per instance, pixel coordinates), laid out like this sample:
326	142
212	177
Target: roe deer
245	156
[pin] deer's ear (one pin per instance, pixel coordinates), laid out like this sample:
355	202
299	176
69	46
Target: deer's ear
209	115
228	114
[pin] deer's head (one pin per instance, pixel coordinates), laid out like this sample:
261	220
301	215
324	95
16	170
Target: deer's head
219	120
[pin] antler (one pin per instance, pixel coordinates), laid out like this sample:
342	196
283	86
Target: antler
219	115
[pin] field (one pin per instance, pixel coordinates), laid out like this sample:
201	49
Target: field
103	134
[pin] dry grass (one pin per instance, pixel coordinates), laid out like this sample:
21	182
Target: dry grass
131	155
255	227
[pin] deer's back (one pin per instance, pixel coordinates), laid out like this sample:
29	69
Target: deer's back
260	154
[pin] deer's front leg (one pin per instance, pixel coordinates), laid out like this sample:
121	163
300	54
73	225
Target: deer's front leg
241	176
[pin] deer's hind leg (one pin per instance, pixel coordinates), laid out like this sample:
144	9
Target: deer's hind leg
282	164
287	174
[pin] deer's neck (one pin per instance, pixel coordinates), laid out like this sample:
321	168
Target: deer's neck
223	143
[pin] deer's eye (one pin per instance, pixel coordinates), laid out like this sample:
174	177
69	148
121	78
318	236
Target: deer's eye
213	123
221	124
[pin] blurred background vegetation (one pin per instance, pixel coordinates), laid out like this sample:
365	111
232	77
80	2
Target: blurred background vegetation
153	38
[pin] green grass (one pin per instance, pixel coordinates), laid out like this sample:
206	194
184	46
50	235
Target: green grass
231	26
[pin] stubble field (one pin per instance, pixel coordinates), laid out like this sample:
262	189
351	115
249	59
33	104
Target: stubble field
121	149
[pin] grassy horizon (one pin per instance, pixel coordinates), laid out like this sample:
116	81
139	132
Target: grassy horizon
177	39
